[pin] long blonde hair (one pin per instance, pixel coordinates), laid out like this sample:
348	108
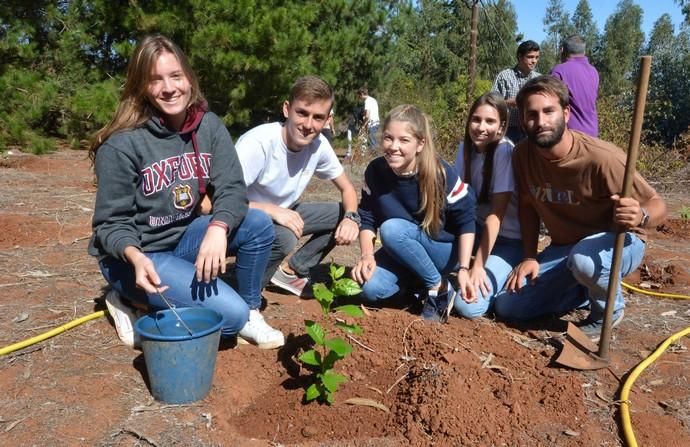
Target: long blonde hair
432	176
134	108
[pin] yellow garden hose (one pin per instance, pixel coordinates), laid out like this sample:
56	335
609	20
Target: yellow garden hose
648	292
625	391
51	333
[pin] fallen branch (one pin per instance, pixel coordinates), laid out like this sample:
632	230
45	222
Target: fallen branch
131	432
397	382
405	337
360	343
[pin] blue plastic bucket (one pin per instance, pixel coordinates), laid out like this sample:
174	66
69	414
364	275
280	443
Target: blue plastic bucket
180	366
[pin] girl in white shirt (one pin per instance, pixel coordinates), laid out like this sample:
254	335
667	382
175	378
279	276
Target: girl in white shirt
484	160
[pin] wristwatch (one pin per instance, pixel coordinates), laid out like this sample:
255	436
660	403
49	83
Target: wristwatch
645	218
353	216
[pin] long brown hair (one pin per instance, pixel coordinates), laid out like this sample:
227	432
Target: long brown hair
134	108
497	102
432	176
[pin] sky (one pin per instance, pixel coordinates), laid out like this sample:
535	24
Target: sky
530	14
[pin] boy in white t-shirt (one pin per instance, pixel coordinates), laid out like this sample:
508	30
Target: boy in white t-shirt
278	161
371	117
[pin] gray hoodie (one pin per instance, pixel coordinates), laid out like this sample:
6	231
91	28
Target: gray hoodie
149	180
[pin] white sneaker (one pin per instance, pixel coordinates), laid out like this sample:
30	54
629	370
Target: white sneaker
259	333
124	317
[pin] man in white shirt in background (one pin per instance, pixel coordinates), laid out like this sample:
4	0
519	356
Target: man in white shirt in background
371	117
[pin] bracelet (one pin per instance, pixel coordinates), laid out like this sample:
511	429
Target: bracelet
529	259
218	223
462	267
366	254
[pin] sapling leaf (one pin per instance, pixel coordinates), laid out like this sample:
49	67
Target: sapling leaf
346	287
350	328
329	360
321	292
350	309
315	331
339	272
331	381
340	346
311	393
311	357
333	271
326	382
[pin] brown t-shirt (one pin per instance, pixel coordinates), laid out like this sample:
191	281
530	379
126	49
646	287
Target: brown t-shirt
572	195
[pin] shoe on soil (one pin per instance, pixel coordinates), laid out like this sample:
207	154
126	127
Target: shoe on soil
437	308
257	332
592	327
292	283
123	316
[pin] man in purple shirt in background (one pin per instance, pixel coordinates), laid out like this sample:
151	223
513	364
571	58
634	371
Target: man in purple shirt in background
582	80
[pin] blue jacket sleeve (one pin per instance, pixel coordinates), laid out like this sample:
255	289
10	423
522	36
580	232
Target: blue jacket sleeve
460	203
368	202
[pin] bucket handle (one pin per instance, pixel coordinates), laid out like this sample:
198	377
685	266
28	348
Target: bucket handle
172	308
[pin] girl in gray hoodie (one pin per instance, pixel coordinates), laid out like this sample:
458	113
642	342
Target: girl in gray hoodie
155	161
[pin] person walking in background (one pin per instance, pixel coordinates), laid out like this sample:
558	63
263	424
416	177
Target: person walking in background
371	117
572	182
158	156
582	80
424	214
279	160
328	130
484	161
509	82
354	123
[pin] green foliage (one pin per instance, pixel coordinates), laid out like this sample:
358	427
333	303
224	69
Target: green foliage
558	26
654	161
685	4
63	63
321	359
615	116
497	39
684	212
621	45
585	26
668	104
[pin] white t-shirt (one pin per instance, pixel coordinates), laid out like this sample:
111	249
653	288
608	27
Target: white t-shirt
274	174
372	108
502	180
328	121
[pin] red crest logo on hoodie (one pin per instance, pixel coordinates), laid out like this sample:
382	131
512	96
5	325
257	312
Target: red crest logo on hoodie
183	198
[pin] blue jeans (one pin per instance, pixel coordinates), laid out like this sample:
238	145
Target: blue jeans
505	255
408	253
570	276
250	242
373	134
320	221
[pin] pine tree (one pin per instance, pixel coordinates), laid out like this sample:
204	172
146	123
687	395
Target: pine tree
585	26
668	106
557	26
621	46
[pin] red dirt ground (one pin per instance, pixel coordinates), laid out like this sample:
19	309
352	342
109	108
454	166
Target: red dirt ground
465	383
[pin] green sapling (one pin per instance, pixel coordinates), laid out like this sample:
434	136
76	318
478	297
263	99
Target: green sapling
321	359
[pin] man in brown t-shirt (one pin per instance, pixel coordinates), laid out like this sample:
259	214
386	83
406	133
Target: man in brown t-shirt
571	181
